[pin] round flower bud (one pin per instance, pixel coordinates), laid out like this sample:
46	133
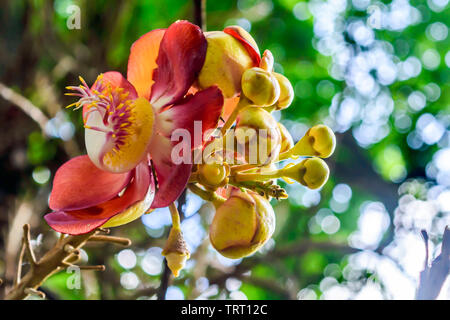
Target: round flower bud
286	139
260	87
242	224
176	251
213	175
225	62
312	172
257	136
318	141
286	92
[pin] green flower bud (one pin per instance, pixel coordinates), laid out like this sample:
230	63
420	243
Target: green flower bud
225	62
312	173
242	225
286	92
318	141
260	86
213	175
286	139
257	135
267	61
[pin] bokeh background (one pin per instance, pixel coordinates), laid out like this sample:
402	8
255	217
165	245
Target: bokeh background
377	72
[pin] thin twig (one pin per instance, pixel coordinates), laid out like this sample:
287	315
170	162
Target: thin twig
34	292
161	293
29	253
65	252
25	105
116	240
19	264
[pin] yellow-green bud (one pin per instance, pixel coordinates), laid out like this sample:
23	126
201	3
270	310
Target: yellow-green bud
225	62
242	224
318	141
286	139
258	135
260	87
267	61
176	251
213	175
312	172
286	92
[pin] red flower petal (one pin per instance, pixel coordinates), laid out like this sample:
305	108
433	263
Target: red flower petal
205	107
248	42
181	56
172	181
142	61
172	178
79	184
64	222
85	220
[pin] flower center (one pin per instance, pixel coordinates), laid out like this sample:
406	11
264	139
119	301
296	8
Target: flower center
112	104
118	127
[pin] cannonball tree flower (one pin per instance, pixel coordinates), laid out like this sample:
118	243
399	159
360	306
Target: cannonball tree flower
129	123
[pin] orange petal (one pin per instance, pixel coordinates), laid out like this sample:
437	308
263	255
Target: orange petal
142	61
228	107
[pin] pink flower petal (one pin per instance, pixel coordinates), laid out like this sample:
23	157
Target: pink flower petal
79	184
116	80
181	56
85	220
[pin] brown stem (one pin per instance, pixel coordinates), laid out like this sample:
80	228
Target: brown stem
116	240
65	251
200	13
25	105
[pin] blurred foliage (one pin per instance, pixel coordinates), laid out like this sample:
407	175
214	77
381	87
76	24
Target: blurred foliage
377	72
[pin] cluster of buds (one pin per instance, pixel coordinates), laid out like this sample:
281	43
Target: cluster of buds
252	144
176	78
